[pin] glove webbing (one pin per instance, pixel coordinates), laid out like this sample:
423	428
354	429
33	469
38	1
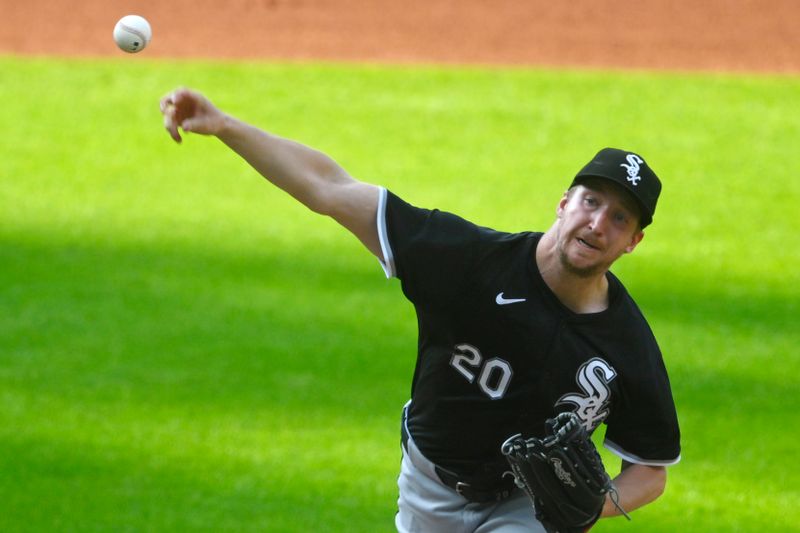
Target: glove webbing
517	450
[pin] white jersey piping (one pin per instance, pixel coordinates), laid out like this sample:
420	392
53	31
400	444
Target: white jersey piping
383	236
631	458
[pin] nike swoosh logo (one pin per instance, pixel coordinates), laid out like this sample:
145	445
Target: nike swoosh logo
505	301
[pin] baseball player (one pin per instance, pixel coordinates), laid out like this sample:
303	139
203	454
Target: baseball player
514	328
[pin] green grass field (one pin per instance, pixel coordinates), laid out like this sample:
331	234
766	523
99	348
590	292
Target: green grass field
184	348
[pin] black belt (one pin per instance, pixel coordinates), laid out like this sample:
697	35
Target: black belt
469	490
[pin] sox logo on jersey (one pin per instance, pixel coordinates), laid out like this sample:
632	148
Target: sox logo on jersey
593	378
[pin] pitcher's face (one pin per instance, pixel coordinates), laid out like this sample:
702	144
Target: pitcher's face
597	223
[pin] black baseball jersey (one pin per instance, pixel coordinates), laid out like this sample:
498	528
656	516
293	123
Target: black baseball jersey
498	353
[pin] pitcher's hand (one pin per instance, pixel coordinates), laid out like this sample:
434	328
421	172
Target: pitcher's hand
191	112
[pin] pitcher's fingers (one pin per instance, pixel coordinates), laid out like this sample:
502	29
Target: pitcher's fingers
185	104
171	126
167	107
167	101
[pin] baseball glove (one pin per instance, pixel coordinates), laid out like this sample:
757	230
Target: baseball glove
562	474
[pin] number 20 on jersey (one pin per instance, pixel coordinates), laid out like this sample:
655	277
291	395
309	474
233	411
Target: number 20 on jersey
493	375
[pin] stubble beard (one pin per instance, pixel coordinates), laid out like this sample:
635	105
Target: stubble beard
583	272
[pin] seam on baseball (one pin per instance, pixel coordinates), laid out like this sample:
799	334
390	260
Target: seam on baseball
135	32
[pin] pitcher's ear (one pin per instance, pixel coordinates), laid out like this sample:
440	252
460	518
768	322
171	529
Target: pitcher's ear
635	240
562	204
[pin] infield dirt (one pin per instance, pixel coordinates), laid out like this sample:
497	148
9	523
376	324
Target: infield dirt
709	35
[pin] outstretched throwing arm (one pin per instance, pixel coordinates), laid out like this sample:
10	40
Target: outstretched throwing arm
311	177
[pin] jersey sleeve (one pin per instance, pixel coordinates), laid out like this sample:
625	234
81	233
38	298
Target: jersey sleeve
644	429
430	251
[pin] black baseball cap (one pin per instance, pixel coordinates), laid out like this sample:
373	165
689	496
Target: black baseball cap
629	171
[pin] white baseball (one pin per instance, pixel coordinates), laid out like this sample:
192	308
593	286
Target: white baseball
132	33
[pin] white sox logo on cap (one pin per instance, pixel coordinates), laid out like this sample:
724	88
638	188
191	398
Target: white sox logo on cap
633	168
631	172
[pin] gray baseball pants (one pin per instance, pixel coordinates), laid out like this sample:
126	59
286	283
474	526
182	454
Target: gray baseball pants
426	505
